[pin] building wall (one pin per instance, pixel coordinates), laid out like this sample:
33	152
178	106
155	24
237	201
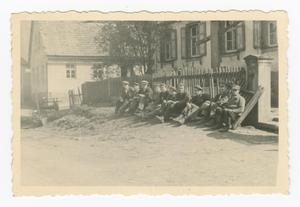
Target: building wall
26	99
38	64
180	63
214	56
237	59
59	84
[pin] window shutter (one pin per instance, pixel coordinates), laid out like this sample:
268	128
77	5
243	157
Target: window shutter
257	34
222	37
202	30
264	34
240	38
202	49
158	58
162	51
174	44
188	41
202	38
183	42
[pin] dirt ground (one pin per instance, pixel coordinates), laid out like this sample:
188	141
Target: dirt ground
93	148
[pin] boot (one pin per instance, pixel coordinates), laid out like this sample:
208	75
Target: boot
210	123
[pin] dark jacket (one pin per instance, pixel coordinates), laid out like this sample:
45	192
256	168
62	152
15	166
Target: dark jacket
147	92
126	94
182	98
199	100
221	99
165	96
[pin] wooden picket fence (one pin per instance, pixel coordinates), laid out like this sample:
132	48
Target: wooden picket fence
209	79
75	97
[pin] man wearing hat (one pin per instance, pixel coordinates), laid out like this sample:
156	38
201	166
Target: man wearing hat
123	102
181	99
145	96
133	101
154	107
214	110
165	98
193	109
233	109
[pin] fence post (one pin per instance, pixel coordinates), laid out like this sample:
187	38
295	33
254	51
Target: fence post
259	71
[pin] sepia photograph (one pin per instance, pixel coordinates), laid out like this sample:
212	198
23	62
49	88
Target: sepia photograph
190	100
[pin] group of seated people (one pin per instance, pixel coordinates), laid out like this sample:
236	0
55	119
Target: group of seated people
170	103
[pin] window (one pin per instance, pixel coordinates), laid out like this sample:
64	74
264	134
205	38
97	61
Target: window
272	34
230	37
197	39
70	71
234	36
169	45
194	37
264	34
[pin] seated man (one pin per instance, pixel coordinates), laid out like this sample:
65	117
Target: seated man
233	108
144	97
133	101
193	109
167	97
215	107
155	105
175	108
123	102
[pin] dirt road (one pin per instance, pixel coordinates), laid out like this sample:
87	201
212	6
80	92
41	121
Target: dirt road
126	151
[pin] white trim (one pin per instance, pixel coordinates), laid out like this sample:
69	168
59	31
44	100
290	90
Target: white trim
191	40
233	39
71	69
269	35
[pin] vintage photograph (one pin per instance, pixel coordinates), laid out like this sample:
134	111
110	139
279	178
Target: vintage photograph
185	102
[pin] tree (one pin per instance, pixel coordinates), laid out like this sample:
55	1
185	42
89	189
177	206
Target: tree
131	43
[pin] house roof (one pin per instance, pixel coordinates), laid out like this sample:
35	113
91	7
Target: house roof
70	38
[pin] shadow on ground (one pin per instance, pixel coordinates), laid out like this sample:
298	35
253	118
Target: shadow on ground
245	138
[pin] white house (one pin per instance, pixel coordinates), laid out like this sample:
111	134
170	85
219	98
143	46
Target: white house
61	57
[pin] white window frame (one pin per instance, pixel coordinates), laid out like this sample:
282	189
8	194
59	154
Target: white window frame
269	35
71	69
233	41
168	46
194	38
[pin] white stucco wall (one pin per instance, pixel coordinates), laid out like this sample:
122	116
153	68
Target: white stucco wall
59	84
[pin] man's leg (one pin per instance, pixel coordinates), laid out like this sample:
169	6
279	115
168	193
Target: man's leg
182	118
118	105
192	113
133	106
220	116
123	108
169	110
229	118
232	118
211	114
205	109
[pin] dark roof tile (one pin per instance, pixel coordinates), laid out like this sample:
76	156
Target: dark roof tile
70	38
